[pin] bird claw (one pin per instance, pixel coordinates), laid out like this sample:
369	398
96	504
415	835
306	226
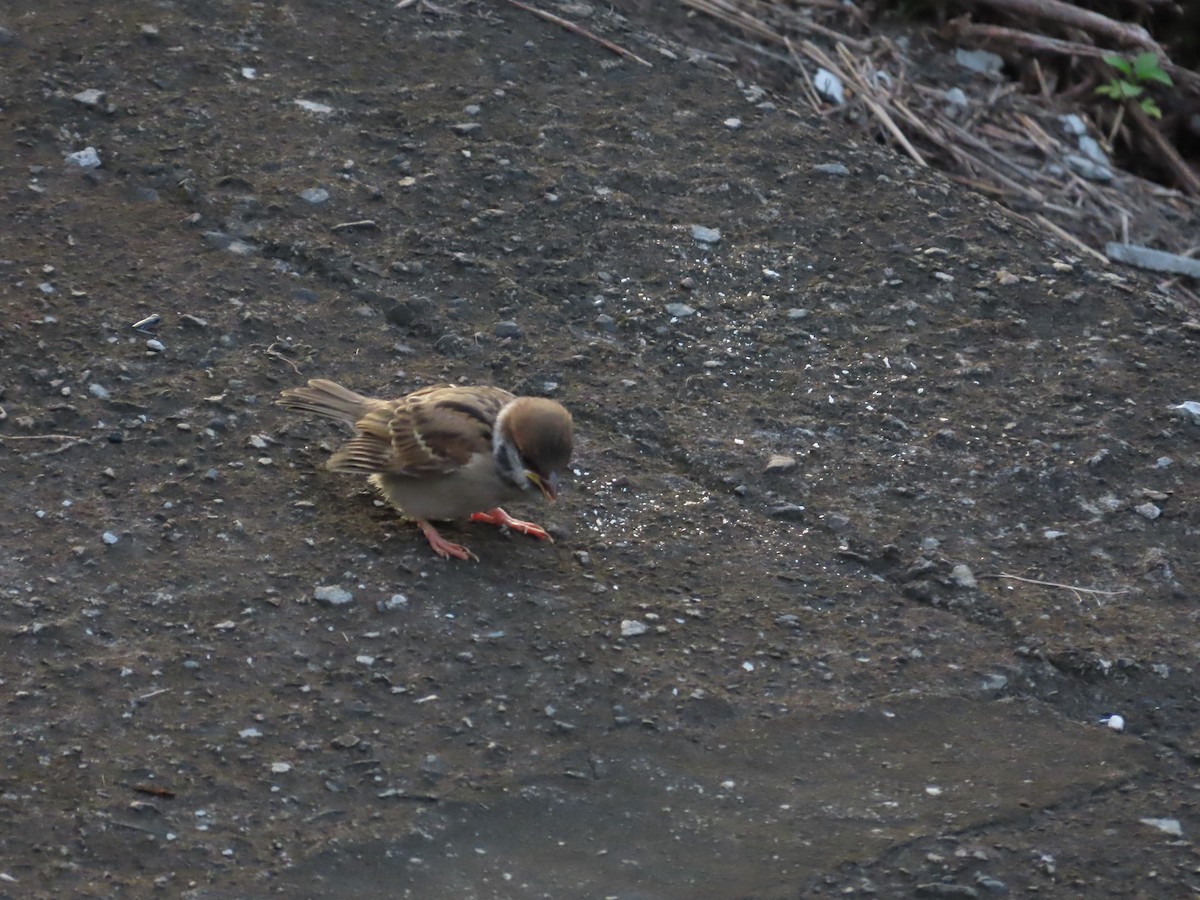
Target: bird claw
499	517
444	548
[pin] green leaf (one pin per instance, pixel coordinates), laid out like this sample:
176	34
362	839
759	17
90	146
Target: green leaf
1129	91
1146	68
1120	63
1150	108
1109	90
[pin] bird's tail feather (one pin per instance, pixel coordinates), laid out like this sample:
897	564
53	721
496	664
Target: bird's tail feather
328	399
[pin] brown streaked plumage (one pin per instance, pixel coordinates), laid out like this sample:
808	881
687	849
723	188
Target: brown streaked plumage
447	451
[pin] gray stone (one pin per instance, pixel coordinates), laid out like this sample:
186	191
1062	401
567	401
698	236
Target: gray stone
957	97
91	98
1154	260
332	595
87	158
392	603
789	512
962	576
508	329
1085	168
778	464
981	61
633	628
1148	511
832	169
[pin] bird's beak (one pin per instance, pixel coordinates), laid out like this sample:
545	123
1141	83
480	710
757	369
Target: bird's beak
548	486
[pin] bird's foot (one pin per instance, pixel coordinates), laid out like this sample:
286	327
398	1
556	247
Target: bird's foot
442	547
499	517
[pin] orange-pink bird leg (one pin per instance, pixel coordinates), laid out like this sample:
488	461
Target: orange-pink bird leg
499	517
442	547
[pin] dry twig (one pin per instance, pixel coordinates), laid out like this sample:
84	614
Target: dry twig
734	15
582	32
43	437
962	31
1073	588
1125	34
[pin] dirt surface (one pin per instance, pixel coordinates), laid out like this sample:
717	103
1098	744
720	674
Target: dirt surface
722	680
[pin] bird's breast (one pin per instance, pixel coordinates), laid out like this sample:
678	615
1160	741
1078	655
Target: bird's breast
473	488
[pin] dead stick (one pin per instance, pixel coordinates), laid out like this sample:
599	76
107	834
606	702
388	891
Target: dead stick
581	31
1126	34
1165	151
1072	240
41	437
810	89
960	30
1053	584
818	56
735	16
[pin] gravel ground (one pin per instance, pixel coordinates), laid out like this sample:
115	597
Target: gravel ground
879	503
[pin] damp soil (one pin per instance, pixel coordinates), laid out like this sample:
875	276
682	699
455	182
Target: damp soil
878	506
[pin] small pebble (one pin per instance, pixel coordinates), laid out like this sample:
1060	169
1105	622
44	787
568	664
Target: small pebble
633	628
733	123
508	330
994	682
332	595
957	97
1148	511
92	98
156	345
1115	722
832	169
313	107
789	512
86	158
706	235
680	310
990	884
941	889
1190	409
1166	826
778	464
392	603
962	576
314	196
829	86
109	538
1085	168
98	390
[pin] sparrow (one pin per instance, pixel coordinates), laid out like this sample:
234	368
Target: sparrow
448	451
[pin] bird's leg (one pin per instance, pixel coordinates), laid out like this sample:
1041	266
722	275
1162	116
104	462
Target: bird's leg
442	547
499	517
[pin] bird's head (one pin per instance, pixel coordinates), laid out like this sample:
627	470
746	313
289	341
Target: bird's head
532	443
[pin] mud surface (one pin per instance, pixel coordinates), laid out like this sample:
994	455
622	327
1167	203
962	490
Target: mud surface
722	680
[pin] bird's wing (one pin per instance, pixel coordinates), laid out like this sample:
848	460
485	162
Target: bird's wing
437	430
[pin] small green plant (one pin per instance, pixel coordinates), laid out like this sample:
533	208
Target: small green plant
1131	79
